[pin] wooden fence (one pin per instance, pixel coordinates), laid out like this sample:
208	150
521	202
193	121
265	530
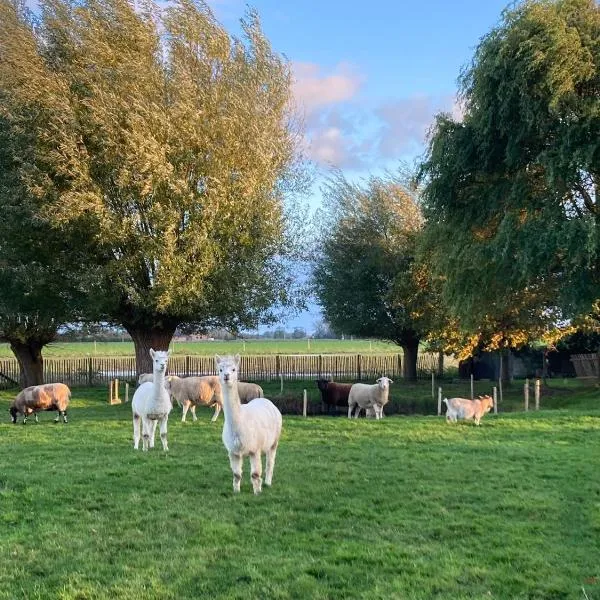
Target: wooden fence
586	365
90	371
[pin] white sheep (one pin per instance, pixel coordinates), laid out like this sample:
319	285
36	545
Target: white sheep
144	378
192	391
48	396
151	405
249	391
249	429
366	396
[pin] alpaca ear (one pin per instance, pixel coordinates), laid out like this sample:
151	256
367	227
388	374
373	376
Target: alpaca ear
152	353
237	359
218	359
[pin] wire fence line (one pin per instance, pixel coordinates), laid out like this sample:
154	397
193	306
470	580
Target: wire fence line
89	371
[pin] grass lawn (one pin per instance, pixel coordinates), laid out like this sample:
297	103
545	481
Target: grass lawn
407	507
209	348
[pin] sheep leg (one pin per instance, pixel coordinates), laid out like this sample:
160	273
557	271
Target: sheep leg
137	431
163	432
270	464
350	407
377	410
194	417
186	406
235	460
65	416
357	411
217	412
256	470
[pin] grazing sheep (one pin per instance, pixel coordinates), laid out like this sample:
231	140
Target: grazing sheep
192	391
151	405
249	391
49	396
367	396
249	429
334	394
461	408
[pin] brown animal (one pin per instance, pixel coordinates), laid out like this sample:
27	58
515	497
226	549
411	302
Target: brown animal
49	396
334	394
461	408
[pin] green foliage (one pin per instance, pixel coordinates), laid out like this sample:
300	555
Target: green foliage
401	508
366	277
511	190
169	143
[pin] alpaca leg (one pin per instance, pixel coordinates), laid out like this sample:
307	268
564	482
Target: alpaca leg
217	412
146	430
270	464
153	425
235	460
256	470
186	406
137	431
163	433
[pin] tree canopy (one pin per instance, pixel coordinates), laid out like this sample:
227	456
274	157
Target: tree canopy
366	278
170	146
511	190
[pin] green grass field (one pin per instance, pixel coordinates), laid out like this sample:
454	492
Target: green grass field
407	507
208	348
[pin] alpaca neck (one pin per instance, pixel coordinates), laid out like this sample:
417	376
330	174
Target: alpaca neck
231	405
159	394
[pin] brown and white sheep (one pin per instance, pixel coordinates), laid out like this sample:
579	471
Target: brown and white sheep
49	396
193	391
249	391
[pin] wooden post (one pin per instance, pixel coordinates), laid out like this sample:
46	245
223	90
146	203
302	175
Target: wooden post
110	391
500	389
281	384
90	371
439	401
126	392
472	390
495	400
304	403
526	394
537	394
432	384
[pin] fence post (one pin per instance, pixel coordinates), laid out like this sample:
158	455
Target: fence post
495	400
304	403
500	389
110	391
439	401
116	398
126	392
537	394
526	394
358	367
281	384
90	371
399	365
472	390
187	365
320	365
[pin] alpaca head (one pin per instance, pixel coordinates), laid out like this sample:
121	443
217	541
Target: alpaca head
159	360
228	369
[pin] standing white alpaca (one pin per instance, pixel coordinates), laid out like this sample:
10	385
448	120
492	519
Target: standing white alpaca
151	405
249	429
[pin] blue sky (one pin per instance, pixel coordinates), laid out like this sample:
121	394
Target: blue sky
369	76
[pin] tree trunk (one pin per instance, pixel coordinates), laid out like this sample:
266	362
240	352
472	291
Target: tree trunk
157	338
409	364
31	362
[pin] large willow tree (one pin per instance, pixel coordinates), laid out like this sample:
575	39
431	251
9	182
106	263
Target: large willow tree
511	195
366	276
172	145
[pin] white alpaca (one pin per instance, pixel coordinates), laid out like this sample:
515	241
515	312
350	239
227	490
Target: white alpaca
249	429
151	405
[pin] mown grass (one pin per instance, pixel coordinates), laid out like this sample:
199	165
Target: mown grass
209	348
407	507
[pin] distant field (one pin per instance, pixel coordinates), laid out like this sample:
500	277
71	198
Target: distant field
207	348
